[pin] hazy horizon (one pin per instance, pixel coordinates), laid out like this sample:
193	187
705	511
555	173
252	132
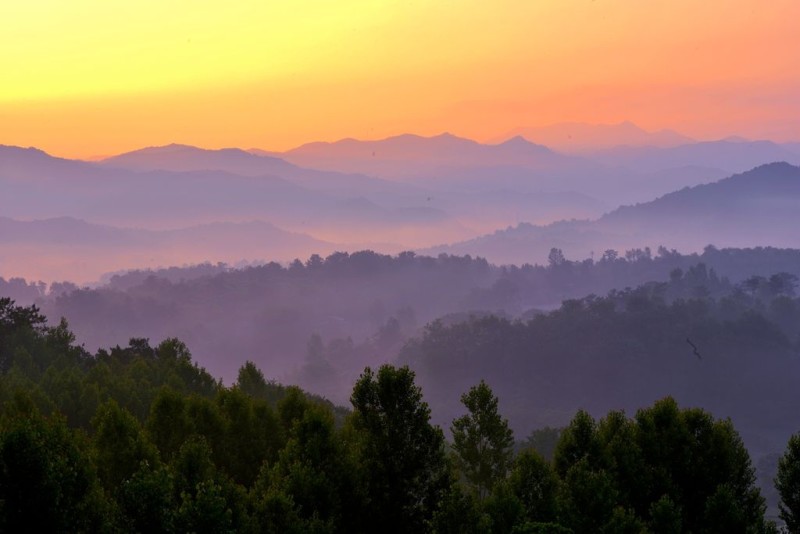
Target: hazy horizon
268	76
390	266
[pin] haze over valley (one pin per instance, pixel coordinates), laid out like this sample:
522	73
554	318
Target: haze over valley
177	204
405	267
324	259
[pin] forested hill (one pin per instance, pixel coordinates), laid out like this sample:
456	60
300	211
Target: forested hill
734	350
755	208
140	439
269	313
758	197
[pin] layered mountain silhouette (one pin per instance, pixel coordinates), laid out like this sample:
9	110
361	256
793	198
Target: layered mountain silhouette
178	185
579	137
183	158
390	156
449	162
760	207
731	155
414	192
626	164
200	187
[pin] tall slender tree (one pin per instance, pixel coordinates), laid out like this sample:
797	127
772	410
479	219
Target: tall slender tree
402	453
788	484
482	440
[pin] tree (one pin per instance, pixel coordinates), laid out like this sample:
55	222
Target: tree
701	464
47	481
536	485
788	484
146	501
402	453
168	425
120	444
609	255
252	434
482	440
587	499
459	513
665	516
251	381
314	472
556	257
578	441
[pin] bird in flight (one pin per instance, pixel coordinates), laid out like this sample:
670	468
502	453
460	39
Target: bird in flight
694	348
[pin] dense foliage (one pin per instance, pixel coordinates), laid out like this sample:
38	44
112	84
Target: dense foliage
141	439
733	349
358	304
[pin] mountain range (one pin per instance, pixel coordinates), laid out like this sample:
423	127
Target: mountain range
578	137
440	193
760	207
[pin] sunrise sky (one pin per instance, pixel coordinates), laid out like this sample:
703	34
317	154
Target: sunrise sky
86	78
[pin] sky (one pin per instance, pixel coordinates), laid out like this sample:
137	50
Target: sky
90	78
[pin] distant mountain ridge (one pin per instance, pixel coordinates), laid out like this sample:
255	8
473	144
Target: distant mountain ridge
778	181
412	192
183	158
731	155
178	157
178	185
578	137
410	155
760	207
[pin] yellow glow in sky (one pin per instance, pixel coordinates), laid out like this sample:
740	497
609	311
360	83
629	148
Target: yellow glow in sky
83	78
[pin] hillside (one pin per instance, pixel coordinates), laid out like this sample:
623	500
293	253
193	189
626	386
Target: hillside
628	349
757	208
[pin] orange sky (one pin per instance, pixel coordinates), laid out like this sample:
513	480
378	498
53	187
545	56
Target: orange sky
90	77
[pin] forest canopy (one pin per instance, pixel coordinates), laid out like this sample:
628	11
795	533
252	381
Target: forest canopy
142	439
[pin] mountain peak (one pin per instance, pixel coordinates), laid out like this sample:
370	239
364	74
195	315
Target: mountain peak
179	157
516	140
583	137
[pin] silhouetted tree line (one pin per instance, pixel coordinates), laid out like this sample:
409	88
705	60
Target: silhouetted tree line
268	313
141	439
630	338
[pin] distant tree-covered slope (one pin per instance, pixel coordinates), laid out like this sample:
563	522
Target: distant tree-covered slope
732	349
755	208
362	306
141	439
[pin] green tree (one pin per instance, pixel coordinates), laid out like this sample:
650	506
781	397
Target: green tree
536	485
577	441
168	424
313	470
252	434
788	484
251	381
701	464
205	511
459	513
482	440
665	516
624	521
120	445
146	500
587	499
47	481
402	453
